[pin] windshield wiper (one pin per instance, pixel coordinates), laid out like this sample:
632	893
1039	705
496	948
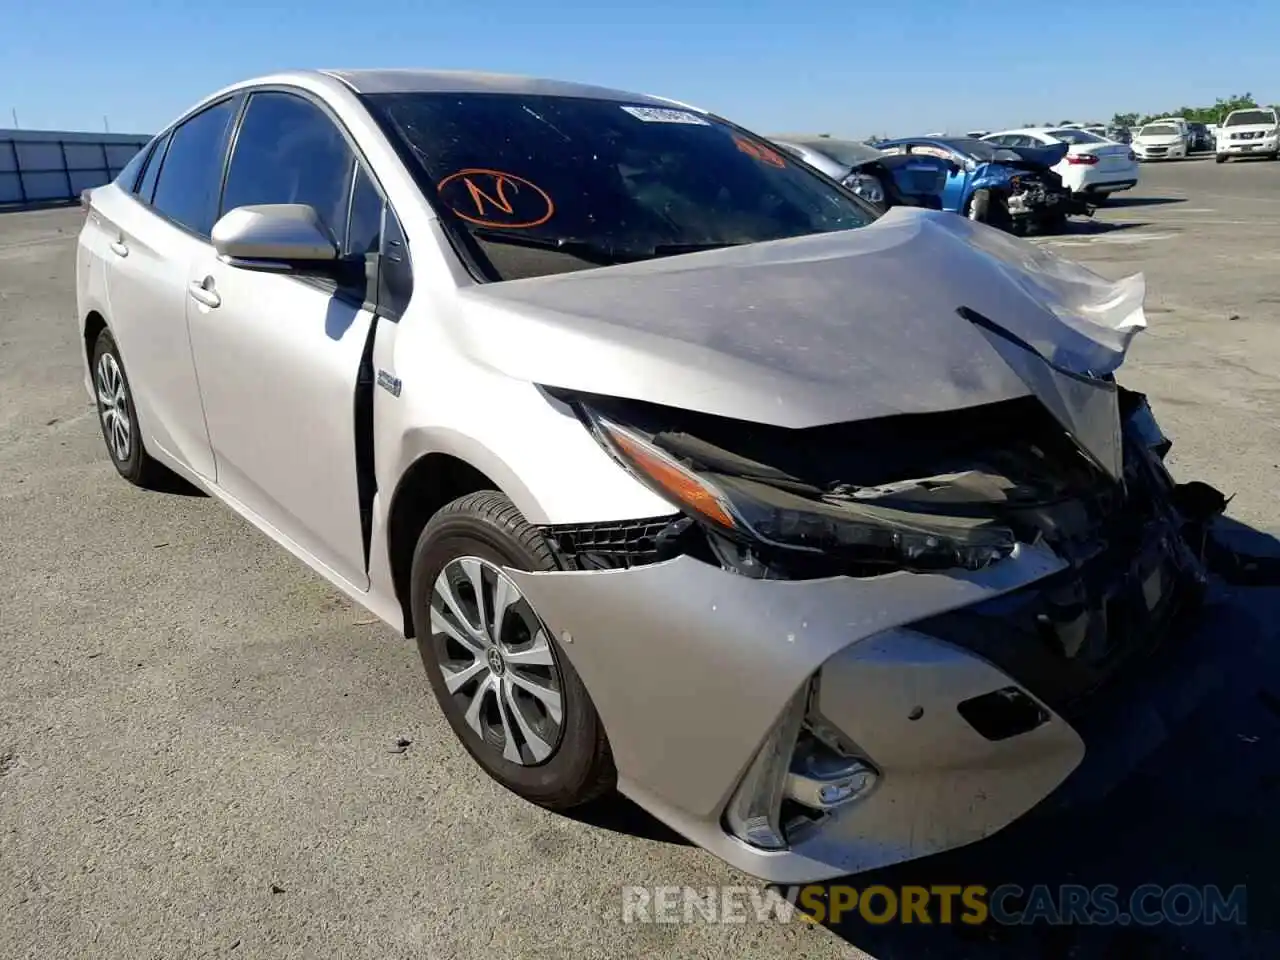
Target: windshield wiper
588	250
591	250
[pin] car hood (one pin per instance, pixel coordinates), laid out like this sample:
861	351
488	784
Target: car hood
822	329
1165	141
1248	128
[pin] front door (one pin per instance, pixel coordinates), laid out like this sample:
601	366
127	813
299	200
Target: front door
278	355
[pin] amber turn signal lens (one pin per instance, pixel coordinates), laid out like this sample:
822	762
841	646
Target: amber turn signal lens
671	477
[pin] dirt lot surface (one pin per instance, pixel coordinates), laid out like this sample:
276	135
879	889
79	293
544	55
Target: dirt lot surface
198	736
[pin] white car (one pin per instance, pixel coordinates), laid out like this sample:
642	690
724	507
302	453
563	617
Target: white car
1161	140
1094	166
1249	133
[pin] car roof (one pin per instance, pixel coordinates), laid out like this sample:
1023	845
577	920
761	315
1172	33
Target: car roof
465	81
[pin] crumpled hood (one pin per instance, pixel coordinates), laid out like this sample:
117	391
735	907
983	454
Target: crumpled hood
819	329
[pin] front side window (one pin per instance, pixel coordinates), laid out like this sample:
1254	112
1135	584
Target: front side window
187	189
364	231
288	150
544	184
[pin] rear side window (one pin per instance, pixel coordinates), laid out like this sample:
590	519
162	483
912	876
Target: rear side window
187	189
290	151
128	177
148	185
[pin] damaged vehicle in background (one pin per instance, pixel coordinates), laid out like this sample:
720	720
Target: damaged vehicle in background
1013	188
819	533
884	179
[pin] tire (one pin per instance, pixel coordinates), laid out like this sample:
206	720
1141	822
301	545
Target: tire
1220	158
979	206
118	418
487	527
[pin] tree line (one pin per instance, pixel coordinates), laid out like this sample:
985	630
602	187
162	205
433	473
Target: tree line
1214	114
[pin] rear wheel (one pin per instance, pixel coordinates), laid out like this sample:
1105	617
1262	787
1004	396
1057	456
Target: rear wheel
118	416
497	671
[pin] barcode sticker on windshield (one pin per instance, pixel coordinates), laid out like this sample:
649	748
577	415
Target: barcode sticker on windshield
663	115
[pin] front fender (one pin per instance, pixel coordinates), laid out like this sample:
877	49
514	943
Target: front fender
990	176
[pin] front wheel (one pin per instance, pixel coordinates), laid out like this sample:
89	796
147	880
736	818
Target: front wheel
506	688
1220	158
118	415
980	206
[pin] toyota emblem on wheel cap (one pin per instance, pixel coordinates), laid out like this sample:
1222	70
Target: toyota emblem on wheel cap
496	663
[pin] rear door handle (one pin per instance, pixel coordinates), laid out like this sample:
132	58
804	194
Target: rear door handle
119	249
202	294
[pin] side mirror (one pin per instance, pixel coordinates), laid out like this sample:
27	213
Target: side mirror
275	236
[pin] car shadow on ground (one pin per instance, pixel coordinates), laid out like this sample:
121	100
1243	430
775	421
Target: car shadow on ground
1114	202
615	812
166	481
1089	227
1198	810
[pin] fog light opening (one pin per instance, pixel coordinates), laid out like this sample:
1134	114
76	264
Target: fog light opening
823	779
800	776
754	814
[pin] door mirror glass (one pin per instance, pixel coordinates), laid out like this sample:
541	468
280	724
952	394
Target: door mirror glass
275	236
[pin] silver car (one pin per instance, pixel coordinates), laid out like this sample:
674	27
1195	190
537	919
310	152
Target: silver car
813	532
838	159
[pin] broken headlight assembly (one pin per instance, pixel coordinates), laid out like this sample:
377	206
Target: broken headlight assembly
762	508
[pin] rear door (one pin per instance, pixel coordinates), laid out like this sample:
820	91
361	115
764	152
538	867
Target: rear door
279	355
153	238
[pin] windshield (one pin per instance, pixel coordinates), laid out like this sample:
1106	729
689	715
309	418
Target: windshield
849	153
548	184
1250	116
1076	136
1158	130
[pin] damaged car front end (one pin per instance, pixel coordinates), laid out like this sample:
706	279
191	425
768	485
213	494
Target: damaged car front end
842	518
884	734
1015	189
867	628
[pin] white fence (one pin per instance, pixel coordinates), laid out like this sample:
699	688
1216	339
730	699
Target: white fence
42	166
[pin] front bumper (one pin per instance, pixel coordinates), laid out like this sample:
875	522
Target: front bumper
1245	148
1160	153
690	668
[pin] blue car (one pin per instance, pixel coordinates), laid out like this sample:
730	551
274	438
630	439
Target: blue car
885	180
1010	187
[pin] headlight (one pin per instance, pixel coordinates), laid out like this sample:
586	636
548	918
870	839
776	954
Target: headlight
866	186
859	530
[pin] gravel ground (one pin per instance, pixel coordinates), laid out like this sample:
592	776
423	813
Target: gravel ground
198	737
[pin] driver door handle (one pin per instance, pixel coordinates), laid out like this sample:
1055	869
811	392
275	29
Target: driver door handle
202	292
119	249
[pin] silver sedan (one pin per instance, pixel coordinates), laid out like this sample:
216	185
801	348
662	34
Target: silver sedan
814	531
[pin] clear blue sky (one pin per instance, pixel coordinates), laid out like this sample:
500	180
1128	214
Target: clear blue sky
853	68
